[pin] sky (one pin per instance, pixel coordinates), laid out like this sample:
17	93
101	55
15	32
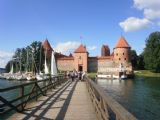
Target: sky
68	23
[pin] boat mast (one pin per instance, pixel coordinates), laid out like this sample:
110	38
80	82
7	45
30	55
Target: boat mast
40	59
20	64
32	60
27	62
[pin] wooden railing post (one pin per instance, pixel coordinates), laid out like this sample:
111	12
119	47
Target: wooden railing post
21	94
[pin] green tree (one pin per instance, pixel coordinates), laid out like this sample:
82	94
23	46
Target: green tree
152	52
134	59
36	53
28	59
8	66
140	62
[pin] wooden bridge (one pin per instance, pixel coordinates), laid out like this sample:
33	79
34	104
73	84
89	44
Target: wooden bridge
62	99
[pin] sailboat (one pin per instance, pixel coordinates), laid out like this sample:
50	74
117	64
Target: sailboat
53	65
11	70
46	71
40	75
30	75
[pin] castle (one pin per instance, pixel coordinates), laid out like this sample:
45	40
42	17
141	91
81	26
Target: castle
81	61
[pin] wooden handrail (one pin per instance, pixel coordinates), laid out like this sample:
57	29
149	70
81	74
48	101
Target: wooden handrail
26	84
105	106
20	102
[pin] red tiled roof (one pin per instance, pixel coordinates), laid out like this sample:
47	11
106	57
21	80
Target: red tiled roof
66	58
46	45
122	43
59	55
81	49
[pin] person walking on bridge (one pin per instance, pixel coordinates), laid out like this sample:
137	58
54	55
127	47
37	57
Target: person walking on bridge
72	76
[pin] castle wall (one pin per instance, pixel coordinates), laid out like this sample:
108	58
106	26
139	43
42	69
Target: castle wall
65	64
92	64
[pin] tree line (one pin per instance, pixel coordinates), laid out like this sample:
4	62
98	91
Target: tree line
149	59
27	59
31	57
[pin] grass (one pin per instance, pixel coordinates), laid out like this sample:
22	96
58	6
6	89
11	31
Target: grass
146	73
92	75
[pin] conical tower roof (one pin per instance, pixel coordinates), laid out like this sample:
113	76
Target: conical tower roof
122	43
81	49
47	48
46	45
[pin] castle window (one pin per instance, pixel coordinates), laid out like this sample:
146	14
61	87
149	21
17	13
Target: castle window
123	53
119	58
124	58
117	54
79	57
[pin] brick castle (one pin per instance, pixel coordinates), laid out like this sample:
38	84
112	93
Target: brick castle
81	61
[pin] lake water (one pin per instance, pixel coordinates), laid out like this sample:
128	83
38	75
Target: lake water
9	95
140	96
7	83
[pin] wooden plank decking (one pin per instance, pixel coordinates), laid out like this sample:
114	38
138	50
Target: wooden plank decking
69	101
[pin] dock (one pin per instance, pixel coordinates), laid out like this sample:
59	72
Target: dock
70	102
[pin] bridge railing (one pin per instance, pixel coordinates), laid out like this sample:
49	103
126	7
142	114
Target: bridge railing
105	106
27	92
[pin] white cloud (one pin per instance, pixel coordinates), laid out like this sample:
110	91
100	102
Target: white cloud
67	47
90	48
151	8
151	14
4	58
145	4
134	24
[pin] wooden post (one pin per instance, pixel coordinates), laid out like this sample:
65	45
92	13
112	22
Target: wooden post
36	92
21	95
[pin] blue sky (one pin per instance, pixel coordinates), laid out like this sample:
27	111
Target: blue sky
64	21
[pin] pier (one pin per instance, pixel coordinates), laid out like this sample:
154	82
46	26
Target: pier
61	98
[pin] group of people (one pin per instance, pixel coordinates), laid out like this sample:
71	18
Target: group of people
76	75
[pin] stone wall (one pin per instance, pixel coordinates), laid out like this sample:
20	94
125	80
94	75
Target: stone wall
95	64
65	64
104	66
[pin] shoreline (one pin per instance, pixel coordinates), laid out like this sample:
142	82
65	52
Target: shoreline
146	74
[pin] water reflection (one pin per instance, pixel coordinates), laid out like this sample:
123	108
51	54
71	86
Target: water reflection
140	96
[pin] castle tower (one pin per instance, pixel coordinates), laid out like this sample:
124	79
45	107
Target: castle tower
105	51
81	58
47	48
122	51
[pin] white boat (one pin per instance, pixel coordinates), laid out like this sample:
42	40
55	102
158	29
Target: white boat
123	77
39	77
115	76
103	76
20	77
31	77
